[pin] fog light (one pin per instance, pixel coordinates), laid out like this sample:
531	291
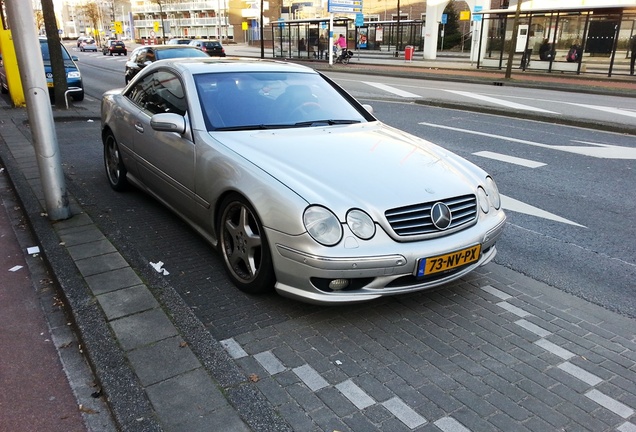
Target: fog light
338	284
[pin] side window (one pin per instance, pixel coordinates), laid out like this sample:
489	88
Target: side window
159	92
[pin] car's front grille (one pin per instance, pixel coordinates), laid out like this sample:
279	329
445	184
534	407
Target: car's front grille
415	220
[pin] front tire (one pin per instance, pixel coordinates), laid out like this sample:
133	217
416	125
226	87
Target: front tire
115	169
244	247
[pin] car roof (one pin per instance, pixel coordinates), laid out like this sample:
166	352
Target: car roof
230	64
165	47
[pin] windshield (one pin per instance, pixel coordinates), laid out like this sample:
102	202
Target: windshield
44	46
179	52
265	100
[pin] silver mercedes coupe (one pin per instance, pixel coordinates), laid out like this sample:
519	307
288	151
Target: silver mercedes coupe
299	187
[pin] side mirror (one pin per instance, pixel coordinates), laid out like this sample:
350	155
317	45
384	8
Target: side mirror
168	122
368	107
75	58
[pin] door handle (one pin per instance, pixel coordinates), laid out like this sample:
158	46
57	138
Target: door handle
139	127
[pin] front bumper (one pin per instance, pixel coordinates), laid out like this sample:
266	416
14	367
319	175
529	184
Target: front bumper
303	273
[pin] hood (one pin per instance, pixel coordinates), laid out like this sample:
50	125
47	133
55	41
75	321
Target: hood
364	165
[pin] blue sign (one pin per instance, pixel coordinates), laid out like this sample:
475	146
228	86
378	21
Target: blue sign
444	18
344	6
359	20
281	23
477	17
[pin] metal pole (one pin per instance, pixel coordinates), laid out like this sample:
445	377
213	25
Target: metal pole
31	65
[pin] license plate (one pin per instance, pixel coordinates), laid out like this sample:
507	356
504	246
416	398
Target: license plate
49	84
440	263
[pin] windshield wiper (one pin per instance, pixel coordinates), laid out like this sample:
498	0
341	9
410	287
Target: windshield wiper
327	122
245	127
286	126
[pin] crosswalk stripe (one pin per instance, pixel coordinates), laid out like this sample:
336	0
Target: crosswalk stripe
499	101
510	159
393	90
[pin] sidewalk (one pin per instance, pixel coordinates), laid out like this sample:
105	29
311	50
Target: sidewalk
158	370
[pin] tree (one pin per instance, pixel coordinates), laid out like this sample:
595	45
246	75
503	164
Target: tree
91	12
55	53
160	3
39	20
452	34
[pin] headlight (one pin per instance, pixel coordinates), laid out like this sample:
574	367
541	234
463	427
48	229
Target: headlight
361	224
322	225
482	197
74	74
493	193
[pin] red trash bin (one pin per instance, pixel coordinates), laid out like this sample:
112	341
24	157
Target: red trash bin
408	52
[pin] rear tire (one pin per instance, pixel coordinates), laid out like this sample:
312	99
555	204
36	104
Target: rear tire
115	169
244	247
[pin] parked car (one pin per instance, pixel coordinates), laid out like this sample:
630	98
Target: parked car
73	75
88	45
111	47
296	183
179	41
146	54
213	48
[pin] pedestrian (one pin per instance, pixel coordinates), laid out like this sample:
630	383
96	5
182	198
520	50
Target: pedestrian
322	46
545	51
341	44
632	48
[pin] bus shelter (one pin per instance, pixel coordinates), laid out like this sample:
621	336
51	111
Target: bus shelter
309	38
599	39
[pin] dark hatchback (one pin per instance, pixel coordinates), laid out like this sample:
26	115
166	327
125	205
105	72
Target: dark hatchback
147	54
212	48
73	75
114	47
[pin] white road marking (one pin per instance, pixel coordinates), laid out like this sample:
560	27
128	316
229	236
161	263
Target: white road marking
619	111
393	90
499	101
233	348
510	159
554	349
355	394
521	207
610	403
404	413
449	424
601	151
